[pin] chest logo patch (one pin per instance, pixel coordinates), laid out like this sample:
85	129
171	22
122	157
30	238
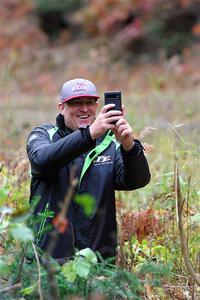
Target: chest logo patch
103	160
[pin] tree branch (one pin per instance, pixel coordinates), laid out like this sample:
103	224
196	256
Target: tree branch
10	288
179	206
39	272
53	295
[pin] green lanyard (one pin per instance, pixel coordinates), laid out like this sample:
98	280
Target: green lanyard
95	152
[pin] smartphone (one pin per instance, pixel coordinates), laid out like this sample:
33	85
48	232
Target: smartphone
113	97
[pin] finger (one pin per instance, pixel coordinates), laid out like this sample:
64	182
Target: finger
112	113
121	129
123	110
114	130
107	107
123	125
113	119
127	132
106	120
121	121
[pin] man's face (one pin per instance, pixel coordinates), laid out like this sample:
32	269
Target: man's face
79	112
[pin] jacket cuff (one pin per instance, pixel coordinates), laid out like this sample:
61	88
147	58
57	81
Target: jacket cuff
135	151
87	131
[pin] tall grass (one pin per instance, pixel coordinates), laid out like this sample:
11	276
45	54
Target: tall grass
169	103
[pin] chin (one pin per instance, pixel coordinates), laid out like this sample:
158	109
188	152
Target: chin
84	124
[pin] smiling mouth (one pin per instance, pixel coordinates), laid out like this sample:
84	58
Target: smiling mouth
84	117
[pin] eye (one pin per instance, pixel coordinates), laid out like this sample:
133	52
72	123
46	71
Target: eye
74	103
77	103
91	102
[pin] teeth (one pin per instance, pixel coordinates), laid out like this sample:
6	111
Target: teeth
83	117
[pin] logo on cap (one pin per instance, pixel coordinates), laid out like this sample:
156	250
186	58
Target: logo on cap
79	87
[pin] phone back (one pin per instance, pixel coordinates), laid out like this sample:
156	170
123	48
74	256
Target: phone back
113	97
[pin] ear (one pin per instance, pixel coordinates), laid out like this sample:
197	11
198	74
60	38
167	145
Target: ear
61	107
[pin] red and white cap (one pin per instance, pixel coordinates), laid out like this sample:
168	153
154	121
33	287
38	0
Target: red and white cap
78	87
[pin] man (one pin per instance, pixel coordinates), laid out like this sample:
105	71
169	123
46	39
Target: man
115	164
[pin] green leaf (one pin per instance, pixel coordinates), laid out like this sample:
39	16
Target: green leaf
195	219
87	202
69	272
159	250
4	268
29	290
4	225
88	254
22	233
82	267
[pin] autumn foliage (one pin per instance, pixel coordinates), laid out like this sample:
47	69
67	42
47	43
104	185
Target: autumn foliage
26	34
132	24
141	25
143	225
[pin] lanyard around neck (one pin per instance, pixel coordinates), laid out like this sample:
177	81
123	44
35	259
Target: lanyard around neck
95	152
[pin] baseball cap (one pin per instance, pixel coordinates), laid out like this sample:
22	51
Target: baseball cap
78	87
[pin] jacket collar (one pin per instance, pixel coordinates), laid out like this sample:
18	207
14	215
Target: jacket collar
62	128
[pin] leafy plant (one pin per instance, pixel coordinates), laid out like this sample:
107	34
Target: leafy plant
142	25
80	266
85	274
57	6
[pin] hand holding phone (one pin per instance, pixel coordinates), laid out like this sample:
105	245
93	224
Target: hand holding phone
113	97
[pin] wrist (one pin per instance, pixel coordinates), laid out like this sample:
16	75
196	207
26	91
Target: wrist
92	132
128	147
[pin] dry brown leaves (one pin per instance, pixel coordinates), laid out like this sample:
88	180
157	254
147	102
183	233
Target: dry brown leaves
141	224
18	28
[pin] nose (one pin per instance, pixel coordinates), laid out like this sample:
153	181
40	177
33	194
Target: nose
84	107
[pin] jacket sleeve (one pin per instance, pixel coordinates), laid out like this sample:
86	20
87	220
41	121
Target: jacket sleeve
131	168
48	158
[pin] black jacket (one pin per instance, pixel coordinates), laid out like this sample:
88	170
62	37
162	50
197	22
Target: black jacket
114	169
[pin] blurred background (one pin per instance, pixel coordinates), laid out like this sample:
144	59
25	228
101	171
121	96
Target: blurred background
148	49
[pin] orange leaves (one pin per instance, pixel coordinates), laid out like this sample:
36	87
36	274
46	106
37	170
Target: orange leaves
111	20
17	29
196	29
141	224
60	223
185	3
132	31
16	8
